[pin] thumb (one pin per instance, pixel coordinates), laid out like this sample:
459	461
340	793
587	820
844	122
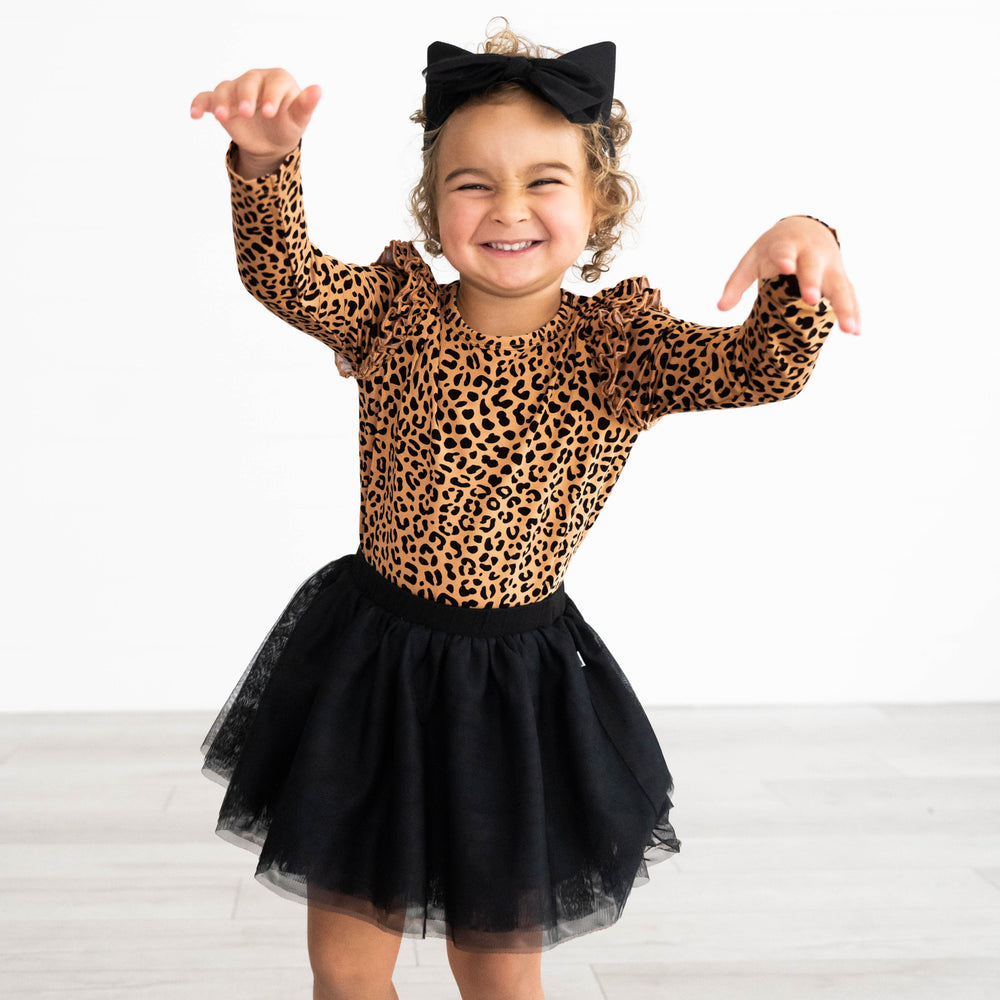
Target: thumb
739	281
302	108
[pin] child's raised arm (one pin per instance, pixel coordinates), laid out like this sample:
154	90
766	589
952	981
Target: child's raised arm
342	305
652	363
265	113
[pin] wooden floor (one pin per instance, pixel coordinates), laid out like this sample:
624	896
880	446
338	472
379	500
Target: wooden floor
849	852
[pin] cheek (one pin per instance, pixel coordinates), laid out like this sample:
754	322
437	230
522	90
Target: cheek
578	217
452	221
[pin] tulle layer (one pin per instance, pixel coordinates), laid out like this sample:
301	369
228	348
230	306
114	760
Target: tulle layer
447	772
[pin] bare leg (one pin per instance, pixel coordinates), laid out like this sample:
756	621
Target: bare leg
497	975
351	959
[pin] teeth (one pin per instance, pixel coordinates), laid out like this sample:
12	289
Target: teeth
511	246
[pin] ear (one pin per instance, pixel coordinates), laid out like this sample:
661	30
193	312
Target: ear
597	217
595	224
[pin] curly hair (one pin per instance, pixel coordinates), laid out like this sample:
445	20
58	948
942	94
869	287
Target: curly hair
614	192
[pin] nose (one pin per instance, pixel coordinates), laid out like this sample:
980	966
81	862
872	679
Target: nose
509	207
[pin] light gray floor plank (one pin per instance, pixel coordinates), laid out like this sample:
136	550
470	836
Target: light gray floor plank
912	980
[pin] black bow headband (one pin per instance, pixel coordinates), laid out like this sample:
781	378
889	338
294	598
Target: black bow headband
580	83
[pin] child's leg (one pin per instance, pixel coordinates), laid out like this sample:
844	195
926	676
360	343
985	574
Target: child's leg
497	976
351	959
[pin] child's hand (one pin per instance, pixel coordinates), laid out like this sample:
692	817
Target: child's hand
807	249
264	111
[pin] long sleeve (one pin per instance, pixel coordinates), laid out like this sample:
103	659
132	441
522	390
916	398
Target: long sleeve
342	305
649	363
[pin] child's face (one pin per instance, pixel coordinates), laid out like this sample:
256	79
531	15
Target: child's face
512	175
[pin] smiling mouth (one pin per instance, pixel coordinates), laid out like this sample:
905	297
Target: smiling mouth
513	247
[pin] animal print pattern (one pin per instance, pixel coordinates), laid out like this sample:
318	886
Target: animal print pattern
486	460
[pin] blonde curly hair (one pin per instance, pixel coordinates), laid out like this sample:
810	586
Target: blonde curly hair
614	192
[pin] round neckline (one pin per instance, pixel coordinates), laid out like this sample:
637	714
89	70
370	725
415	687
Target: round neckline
497	342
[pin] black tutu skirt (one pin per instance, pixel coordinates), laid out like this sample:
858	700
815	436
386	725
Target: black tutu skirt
483	775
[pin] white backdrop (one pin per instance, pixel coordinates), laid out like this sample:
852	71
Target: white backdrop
178	461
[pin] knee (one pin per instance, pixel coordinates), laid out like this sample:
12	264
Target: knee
350	958
497	976
347	980
346	974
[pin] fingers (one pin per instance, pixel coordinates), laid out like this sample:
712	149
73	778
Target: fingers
275	89
739	281
199	105
821	277
759	263
809	271
245	96
819	271
302	108
782	257
214	102
844	302
204	103
263	90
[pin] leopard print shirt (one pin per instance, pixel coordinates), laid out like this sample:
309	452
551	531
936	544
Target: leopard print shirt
485	460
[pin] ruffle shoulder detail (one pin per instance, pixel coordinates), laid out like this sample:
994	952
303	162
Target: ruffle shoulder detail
609	322
402	256
412	306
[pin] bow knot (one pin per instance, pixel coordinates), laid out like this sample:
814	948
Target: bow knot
580	83
516	68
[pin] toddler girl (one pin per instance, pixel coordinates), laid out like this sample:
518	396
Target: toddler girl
432	740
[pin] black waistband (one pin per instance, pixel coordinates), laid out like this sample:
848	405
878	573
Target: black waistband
448	617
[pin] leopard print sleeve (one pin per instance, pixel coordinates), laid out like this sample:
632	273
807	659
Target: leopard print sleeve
342	305
649	363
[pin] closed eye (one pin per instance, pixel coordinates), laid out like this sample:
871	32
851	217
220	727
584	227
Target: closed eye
542	181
